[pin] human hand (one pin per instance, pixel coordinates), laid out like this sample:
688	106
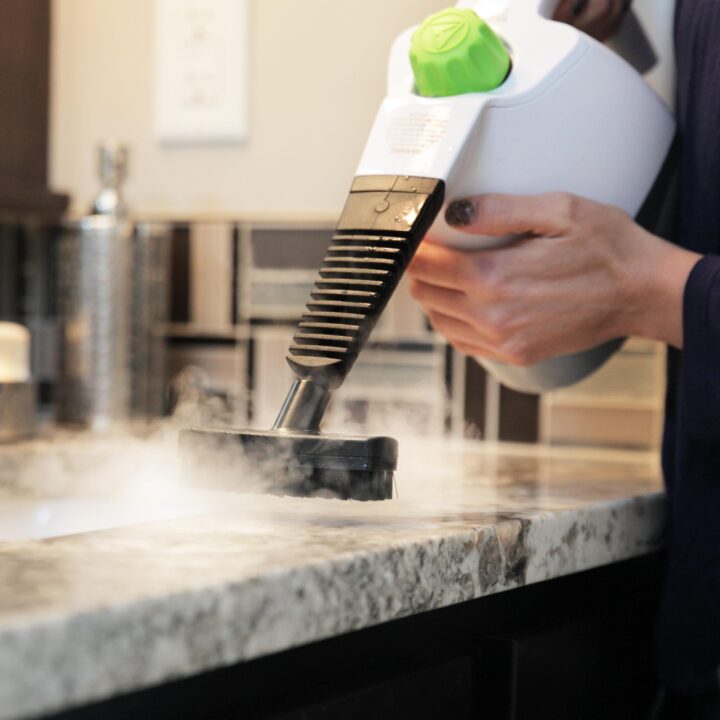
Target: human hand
581	273
599	18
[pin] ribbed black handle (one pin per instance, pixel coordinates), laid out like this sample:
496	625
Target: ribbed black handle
384	220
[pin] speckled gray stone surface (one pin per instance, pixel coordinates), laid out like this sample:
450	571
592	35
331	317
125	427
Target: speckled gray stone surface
90	616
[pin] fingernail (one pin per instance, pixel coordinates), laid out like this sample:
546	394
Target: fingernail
460	213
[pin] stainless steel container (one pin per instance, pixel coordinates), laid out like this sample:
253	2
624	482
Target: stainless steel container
94	299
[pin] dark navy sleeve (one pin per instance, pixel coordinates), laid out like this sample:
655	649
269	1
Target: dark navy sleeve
689	618
701	350
689	621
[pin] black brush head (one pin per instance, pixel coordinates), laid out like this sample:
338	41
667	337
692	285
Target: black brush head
291	463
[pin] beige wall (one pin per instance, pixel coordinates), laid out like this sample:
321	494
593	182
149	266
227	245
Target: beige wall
317	74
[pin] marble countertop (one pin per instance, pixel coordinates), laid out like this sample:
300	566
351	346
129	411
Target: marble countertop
90	616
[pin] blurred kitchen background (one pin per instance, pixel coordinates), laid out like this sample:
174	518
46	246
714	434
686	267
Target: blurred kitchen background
244	121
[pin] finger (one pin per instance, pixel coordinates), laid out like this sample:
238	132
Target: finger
498	214
454	328
460	328
441	299
602	19
440	265
464	337
565	11
483	351
594	11
608	25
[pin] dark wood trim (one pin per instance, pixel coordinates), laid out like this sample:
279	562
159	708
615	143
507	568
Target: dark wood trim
24	111
21	201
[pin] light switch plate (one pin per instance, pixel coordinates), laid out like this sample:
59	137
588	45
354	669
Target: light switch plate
201	70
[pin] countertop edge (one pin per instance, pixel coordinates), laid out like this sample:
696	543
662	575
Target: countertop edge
131	646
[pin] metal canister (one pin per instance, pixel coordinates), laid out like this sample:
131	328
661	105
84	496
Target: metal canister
94	293
112	309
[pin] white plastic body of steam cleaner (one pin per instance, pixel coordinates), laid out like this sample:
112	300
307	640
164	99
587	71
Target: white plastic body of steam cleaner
571	116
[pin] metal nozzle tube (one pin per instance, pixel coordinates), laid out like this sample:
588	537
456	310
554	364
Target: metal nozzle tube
304	407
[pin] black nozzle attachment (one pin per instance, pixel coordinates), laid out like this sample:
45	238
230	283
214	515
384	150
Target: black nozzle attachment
384	220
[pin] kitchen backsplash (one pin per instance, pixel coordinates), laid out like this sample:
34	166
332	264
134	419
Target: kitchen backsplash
236	290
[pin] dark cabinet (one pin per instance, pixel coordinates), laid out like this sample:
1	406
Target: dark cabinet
439	691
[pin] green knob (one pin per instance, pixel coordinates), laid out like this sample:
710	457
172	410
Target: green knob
454	52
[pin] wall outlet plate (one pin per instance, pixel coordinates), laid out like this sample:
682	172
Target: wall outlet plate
201	70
